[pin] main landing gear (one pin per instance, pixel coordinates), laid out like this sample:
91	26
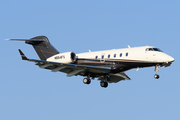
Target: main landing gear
87	80
156	76
103	83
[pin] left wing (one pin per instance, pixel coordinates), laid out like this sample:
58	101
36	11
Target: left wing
70	69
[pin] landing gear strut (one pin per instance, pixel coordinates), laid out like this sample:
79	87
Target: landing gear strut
104	83
156	76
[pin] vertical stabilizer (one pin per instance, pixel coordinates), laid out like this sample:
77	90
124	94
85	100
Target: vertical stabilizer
42	46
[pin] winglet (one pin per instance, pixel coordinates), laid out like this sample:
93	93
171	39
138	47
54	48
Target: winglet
22	55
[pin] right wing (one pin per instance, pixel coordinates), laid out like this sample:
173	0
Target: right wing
114	78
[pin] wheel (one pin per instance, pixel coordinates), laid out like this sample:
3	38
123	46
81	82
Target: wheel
103	84
156	76
106	84
86	81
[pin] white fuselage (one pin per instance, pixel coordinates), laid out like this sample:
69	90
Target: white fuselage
138	54
135	53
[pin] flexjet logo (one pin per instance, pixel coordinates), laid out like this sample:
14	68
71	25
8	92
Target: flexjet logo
59	57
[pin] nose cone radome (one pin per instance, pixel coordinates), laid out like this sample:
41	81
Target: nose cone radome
165	58
170	59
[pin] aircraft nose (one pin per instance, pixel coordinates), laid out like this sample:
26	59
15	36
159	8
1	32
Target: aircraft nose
171	59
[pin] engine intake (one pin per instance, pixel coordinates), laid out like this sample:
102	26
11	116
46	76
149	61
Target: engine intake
73	56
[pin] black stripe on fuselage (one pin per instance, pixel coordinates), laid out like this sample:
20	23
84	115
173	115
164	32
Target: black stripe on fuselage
117	65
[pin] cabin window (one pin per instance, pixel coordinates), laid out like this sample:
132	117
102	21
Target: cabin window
120	55
114	55
102	56
126	54
96	57
108	56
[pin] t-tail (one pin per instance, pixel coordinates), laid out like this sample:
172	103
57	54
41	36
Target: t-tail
42	46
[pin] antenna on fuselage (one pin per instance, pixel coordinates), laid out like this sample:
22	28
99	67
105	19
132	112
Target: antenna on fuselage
129	46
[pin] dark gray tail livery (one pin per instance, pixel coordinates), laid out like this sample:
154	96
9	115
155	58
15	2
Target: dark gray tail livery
42	46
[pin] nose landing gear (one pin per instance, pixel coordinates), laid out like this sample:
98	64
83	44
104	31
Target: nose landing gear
156	76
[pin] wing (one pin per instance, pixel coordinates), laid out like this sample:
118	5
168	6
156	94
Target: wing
114	78
70	69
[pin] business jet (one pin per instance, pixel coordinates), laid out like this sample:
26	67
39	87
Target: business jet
108	66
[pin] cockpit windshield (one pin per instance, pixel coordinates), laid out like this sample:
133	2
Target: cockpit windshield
153	49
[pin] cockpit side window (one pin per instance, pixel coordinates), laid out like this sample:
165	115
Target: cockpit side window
149	49
156	49
153	49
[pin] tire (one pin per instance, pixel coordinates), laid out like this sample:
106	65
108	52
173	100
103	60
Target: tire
103	84
156	76
86	81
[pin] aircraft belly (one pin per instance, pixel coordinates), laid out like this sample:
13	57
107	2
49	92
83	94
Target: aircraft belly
116	64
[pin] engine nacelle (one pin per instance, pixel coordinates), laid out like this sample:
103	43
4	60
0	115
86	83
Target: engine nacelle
67	57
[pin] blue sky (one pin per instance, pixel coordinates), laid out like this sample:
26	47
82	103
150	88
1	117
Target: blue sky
30	93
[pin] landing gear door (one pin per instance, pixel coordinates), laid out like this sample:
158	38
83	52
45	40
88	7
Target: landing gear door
102	58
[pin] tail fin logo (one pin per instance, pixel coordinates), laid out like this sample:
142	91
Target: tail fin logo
47	52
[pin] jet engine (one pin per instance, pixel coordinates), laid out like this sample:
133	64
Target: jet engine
67	57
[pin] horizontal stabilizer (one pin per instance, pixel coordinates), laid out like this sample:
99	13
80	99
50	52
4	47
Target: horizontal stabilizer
38	40
41	45
22	55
